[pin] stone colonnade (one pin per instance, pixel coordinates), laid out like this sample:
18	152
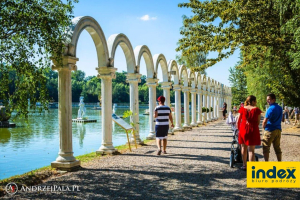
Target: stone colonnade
198	89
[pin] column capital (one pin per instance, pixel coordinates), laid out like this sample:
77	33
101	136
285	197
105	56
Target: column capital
186	89
67	63
194	90
151	82
106	72
177	87
199	91
166	85
133	77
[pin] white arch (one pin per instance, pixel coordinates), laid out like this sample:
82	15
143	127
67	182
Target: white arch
198	76
122	40
204	82
160	59
93	28
172	65
144	51
191	75
183	75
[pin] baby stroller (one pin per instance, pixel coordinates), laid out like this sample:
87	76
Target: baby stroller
235	152
235	155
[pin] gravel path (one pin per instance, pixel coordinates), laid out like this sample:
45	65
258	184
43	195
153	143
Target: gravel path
196	167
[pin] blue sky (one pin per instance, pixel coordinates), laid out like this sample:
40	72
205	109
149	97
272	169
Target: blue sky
153	23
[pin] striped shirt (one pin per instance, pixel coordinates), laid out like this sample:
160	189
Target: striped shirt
163	113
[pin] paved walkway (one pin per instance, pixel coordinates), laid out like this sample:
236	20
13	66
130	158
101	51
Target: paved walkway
196	167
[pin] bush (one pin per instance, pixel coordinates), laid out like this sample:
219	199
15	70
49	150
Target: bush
211	109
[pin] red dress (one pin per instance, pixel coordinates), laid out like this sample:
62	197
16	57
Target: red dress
248	129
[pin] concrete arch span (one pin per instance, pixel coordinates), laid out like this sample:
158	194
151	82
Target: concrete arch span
191	78
122	40
93	28
160	59
173	71
183	75
144	51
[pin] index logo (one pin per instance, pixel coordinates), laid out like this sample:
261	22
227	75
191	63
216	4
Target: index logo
273	174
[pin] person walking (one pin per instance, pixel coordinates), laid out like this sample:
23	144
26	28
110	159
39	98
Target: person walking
272	126
224	110
162	115
296	111
247	124
286	115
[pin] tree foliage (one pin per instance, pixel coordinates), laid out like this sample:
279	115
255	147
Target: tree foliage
266	31
192	60
238	81
31	32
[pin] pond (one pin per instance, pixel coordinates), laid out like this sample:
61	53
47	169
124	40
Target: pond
35	144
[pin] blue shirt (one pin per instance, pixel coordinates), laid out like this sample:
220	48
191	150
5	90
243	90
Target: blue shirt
274	116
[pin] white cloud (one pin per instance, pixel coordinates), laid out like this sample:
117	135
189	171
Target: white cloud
147	18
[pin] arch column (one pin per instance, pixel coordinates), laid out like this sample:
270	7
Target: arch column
106	74
208	106
133	80
186	124
166	86
205	105
65	160
199	118
152	83
177	89
193	107
212	105
215	106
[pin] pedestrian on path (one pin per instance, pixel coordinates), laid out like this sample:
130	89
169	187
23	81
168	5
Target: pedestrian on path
296	111
247	124
286	115
272	126
162	115
224	110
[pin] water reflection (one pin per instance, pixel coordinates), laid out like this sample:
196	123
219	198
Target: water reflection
35	143
81	130
5	135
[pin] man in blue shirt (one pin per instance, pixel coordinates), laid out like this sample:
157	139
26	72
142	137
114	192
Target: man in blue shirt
272	126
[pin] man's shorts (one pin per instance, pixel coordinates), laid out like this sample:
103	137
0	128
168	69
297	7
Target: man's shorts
269	138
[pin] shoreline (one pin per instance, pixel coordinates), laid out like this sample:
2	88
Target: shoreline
42	174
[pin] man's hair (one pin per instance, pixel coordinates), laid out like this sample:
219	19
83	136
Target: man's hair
272	96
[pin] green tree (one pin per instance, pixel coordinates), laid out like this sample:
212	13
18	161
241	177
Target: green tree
238	81
266	32
31	32
91	90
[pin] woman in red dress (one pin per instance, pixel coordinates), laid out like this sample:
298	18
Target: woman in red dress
247	124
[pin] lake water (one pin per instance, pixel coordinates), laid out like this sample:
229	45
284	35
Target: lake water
35	144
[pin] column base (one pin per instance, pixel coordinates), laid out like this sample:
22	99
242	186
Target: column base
187	127
151	136
199	122
194	124
138	141
104	150
66	166
178	129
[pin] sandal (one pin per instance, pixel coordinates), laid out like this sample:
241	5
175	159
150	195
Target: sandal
164	152
158	152
244	168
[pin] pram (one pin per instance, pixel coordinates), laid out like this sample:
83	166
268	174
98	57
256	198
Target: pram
235	152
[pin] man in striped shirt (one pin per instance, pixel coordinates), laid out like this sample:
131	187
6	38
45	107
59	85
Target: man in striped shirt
162	115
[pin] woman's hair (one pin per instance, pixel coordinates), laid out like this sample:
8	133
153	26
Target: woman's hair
250	99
